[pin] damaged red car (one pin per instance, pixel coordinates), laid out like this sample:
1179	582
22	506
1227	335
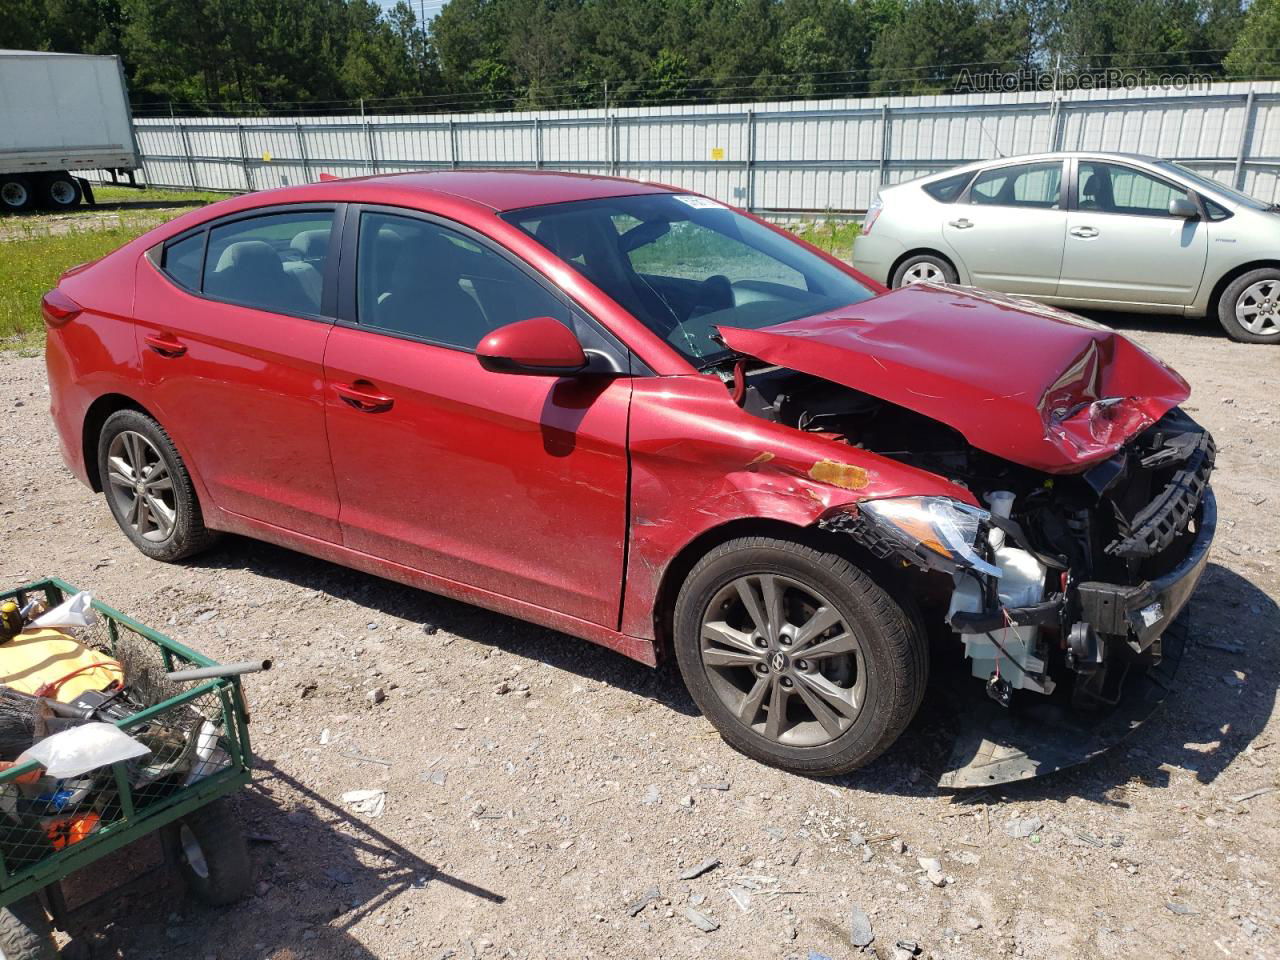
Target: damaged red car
652	421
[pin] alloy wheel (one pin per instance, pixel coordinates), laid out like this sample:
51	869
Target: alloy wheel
1258	307
141	486
783	659
922	272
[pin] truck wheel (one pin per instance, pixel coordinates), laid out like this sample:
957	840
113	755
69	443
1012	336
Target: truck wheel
797	657
1249	309
25	932
213	854
60	191
148	489
16	194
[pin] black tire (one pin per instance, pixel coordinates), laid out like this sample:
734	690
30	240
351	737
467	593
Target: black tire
174	537
1268	317
16	194
217	869
59	191
893	644
25	932
924	261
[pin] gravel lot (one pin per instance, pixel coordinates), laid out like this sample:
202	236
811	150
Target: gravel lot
544	797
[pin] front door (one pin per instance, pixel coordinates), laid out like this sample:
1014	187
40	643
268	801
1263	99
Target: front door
231	326
1123	246
1008	230
513	484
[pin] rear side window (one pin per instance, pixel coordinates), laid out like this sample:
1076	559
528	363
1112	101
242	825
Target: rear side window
945	191
182	261
1019	185
274	262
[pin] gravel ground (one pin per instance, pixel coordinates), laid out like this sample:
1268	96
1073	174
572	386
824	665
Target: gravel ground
544	797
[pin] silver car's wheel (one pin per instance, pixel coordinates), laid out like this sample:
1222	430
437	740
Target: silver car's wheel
1249	308
923	268
1258	308
140	482
782	658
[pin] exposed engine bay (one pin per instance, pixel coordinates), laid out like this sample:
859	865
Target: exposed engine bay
1064	581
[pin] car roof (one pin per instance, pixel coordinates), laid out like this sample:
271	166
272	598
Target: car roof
1034	157
499	190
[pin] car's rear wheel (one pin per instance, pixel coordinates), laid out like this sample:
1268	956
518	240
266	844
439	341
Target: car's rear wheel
16	194
923	268
799	658
60	191
1249	309
148	489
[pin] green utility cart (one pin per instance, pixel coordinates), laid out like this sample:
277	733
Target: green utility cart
126	818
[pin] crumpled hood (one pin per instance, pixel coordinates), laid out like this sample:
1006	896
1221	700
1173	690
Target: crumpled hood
1029	383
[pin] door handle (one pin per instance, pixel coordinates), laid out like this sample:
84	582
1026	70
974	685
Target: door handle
962	224
166	345
1085	232
359	395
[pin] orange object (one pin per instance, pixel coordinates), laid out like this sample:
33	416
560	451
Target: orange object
31	777
65	831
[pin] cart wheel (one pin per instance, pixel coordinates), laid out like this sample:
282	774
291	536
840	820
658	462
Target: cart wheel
25	932
213	854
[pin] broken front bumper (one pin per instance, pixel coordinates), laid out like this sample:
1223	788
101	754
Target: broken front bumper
1142	613
1041	735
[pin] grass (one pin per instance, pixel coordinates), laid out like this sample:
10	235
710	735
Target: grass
106	194
832	235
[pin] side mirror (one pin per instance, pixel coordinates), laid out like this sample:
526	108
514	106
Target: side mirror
539	346
1184	208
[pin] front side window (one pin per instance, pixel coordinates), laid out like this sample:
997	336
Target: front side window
684	265
1019	185
274	262
426	281
1111	188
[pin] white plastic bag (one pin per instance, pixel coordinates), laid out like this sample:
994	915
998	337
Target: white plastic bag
76	612
78	750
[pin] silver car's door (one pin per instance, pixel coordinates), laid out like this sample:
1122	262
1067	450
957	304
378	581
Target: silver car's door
1123	245
1010	226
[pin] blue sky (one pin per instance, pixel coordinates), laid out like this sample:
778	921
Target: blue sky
427	8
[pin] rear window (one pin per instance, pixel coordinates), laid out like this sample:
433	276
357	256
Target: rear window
945	191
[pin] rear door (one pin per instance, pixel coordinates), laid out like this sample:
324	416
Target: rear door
1122	244
1009	226
516	485
232	323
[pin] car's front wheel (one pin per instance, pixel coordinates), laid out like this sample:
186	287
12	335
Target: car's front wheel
1249	309
148	488
799	658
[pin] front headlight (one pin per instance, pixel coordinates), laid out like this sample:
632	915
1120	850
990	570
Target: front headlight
933	528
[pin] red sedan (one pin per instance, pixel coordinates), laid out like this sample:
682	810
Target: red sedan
652	421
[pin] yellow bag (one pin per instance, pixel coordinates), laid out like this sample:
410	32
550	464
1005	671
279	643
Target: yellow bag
50	663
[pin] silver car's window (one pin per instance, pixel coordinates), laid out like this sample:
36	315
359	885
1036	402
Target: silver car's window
683	265
1111	188
1019	185
949	188
1213	186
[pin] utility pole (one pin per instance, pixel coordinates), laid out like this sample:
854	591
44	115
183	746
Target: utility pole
606	98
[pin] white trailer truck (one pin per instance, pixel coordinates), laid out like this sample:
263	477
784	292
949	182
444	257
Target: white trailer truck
60	113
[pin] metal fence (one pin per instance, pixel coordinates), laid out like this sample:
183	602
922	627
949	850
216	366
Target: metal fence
813	157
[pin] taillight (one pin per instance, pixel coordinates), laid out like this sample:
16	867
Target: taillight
873	212
58	308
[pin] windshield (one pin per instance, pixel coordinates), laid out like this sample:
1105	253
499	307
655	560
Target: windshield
1213	185
683	265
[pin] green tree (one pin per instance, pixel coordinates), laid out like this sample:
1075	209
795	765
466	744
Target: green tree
1257	49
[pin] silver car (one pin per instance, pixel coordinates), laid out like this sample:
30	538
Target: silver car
1101	230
